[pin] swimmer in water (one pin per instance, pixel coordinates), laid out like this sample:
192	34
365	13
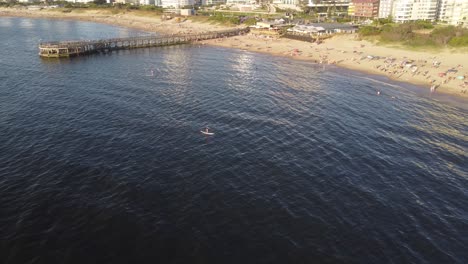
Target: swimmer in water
378	92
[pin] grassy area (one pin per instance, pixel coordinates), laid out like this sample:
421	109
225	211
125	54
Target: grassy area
224	19
417	34
236	13
230	18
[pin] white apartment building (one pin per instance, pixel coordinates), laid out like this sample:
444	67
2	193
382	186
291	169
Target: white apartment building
213	2
402	10
454	12
425	10
385	8
410	10
176	3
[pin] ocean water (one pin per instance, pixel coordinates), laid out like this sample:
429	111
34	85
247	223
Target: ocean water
102	159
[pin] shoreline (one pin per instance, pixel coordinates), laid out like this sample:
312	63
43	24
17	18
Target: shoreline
415	67
338	51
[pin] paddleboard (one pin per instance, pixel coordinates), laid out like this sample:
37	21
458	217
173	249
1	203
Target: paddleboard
207	133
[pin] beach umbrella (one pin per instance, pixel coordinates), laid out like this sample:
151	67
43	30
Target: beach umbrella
460	77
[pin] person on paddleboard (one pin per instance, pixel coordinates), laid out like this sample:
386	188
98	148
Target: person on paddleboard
206	131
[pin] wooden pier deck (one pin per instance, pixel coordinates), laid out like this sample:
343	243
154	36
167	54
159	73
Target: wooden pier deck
60	49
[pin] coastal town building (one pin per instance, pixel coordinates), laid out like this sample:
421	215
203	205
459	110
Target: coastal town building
240	2
275	24
402	10
147	2
326	7
213	2
187	12
351	9
293	3
424	10
453	12
176	3
133	2
366	8
411	10
323	28
385	8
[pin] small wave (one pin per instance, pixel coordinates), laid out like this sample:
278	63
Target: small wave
377	81
299	170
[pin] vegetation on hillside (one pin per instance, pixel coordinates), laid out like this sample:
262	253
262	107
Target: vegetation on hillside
410	34
225	19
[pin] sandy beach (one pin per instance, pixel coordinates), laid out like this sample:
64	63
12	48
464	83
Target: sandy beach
440	72
443	71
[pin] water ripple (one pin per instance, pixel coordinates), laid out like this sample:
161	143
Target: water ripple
102	163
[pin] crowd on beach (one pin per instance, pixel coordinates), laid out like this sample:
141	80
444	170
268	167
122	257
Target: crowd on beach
395	68
428	70
445	73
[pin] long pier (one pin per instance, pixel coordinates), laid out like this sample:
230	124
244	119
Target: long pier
60	49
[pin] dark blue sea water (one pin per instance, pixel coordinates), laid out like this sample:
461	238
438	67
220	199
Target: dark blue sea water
102	163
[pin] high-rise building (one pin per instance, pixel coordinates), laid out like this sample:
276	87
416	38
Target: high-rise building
385	8
401	10
411	10
366	8
176	3
453	12
424	10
